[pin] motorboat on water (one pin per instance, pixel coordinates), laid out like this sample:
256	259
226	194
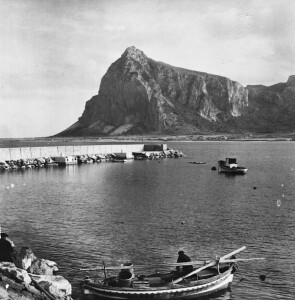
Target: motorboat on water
230	165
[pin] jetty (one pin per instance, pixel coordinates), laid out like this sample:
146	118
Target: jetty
31	157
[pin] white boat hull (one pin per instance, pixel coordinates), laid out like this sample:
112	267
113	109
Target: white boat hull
234	170
176	291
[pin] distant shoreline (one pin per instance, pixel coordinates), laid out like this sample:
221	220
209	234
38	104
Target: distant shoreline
71	141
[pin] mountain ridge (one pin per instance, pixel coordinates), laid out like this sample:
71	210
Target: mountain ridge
141	95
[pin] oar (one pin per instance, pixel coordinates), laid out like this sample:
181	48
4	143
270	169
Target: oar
240	259
197	262
41	288
210	264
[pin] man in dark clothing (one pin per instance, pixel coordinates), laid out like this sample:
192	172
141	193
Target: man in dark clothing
184	258
7	252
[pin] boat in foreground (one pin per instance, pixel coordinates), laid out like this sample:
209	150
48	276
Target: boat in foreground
213	276
230	166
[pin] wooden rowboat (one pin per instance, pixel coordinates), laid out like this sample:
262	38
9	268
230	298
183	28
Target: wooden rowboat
150	288
213	276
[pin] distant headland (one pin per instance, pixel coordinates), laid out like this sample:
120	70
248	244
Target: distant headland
142	96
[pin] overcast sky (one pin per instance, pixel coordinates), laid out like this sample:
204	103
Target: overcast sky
54	53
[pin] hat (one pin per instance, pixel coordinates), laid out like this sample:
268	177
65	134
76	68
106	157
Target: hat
4	235
180	252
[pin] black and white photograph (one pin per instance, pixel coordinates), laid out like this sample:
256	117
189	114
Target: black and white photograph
147	149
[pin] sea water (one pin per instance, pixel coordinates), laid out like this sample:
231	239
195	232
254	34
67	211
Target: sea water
146	211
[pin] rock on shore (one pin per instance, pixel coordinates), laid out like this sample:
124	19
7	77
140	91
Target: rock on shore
31	278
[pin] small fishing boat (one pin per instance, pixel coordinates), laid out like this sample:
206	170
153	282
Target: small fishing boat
139	155
197	162
4	165
229	165
211	277
120	160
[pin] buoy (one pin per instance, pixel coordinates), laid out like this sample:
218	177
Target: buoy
262	277
213	168
254	188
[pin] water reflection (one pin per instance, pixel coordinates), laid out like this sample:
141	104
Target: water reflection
145	211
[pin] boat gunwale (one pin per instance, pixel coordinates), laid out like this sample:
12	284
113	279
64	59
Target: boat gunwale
169	288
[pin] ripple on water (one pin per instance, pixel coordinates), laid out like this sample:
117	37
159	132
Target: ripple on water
145	212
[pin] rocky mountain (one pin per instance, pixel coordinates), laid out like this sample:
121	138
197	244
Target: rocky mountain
271	109
140	95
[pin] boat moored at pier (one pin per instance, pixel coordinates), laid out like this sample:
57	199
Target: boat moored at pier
66	160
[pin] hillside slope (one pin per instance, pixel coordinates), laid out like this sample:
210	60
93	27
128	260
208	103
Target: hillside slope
140	95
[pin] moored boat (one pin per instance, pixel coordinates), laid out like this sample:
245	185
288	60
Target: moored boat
4	165
121	160
139	155
213	276
229	165
65	160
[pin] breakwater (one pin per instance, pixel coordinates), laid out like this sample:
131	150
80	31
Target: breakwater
31	157
54	151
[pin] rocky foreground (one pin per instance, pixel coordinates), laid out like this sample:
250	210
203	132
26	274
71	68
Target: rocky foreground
32	278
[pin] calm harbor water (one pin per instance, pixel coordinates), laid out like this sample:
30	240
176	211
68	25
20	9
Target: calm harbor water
146	211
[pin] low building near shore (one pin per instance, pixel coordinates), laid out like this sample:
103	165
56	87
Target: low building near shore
65	160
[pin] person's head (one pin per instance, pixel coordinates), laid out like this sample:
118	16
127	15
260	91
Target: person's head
4	235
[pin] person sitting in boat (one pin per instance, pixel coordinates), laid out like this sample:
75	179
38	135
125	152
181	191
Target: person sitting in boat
182	257
234	265
7	248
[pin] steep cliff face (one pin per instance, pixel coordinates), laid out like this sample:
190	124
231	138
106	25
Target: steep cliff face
271	109
138	94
